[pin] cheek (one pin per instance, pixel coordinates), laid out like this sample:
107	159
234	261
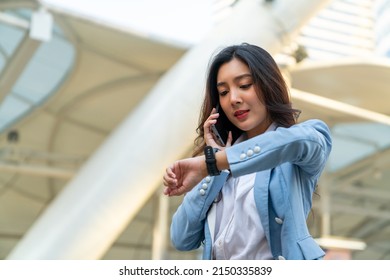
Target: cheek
262	111
258	104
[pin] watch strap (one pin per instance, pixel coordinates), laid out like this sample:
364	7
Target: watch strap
211	162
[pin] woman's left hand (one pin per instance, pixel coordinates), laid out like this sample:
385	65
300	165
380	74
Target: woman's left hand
183	175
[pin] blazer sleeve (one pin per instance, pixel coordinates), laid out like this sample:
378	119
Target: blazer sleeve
306	145
187	227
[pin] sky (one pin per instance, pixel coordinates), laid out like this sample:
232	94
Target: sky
185	21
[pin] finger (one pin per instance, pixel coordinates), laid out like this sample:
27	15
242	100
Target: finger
175	192
229	139
170	183
208	134
170	173
208	123
213	115
166	191
210	138
166	178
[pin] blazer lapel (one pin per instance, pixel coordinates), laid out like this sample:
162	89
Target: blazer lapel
261	194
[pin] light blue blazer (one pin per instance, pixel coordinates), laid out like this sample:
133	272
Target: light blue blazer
288	163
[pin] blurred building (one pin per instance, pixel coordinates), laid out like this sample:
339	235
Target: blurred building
82	154
382	23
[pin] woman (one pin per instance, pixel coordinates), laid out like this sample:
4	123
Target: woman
250	198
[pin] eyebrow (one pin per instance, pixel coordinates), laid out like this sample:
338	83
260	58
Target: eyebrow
236	79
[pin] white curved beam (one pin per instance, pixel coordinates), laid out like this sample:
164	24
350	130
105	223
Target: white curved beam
338	106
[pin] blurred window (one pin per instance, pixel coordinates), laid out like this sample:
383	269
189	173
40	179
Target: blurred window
42	75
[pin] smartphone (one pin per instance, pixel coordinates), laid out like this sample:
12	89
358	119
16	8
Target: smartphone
218	130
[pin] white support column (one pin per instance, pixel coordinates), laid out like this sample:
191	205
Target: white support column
160	229
96	206
326	226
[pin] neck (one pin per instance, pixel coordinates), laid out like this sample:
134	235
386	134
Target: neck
259	130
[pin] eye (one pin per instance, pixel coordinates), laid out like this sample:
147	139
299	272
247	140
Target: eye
223	93
246	86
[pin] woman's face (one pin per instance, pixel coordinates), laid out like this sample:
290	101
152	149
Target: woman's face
238	98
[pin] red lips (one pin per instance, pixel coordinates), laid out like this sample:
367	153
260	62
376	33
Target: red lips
241	114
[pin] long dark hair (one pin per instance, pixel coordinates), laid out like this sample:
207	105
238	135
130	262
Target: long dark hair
268	81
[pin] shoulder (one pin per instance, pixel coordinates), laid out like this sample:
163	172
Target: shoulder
315	123
312	128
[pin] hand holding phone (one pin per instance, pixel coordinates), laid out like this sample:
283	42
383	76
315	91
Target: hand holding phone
219	132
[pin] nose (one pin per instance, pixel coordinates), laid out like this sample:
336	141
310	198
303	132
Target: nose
235	97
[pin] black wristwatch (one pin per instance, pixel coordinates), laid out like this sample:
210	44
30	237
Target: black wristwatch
211	162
